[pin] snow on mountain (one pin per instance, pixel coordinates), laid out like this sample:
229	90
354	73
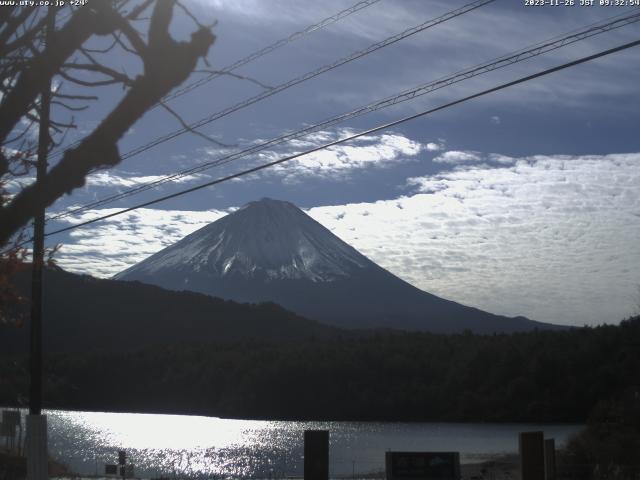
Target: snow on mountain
267	239
270	250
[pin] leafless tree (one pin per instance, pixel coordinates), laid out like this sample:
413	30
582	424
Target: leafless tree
83	56
28	62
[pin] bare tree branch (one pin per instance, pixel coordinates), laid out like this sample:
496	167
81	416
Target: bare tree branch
167	63
136	12
75	97
97	18
125	47
117	77
187	127
212	73
189	14
60	126
24	38
69	107
140	48
12	25
89	83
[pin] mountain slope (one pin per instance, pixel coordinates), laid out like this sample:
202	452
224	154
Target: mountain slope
82	313
266	240
270	250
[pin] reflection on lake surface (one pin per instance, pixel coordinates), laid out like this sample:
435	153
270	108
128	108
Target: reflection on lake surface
190	446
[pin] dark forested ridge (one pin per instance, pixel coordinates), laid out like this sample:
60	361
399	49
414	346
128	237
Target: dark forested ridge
537	376
83	314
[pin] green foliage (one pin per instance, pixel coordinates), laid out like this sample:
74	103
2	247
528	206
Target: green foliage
540	376
612	436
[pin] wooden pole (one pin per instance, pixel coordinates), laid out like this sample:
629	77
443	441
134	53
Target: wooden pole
37	455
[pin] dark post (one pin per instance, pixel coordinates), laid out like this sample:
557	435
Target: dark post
532	455
316	455
122	460
35	392
550	459
37	456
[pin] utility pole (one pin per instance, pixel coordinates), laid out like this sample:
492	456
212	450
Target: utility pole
37	454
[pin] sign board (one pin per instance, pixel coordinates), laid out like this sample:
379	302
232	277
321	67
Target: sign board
11	417
122	457
422	465
110	469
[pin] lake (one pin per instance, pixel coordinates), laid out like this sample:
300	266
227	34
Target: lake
192	446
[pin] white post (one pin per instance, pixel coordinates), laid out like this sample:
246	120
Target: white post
37	455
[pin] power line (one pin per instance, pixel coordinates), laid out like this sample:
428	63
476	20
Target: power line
251	100
500	62
35	328
352	137
274	46
307	76
255	55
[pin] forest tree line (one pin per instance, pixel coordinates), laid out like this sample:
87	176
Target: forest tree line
541	376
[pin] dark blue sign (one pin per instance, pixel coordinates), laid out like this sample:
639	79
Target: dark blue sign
423	465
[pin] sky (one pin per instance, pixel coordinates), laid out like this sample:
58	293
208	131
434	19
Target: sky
522	202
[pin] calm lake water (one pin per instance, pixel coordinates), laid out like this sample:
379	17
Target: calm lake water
190	446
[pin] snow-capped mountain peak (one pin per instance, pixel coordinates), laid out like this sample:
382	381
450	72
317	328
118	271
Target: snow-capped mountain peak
268	239
271	250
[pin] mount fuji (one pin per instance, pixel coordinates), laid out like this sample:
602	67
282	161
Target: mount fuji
270	250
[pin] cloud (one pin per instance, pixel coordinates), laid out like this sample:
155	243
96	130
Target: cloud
15	184
381	150
459	43
456	156
433	147
254	10
111	179
550	237
119	242
126	180
499	158
340	161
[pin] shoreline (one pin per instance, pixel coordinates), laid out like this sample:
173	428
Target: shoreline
302	420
